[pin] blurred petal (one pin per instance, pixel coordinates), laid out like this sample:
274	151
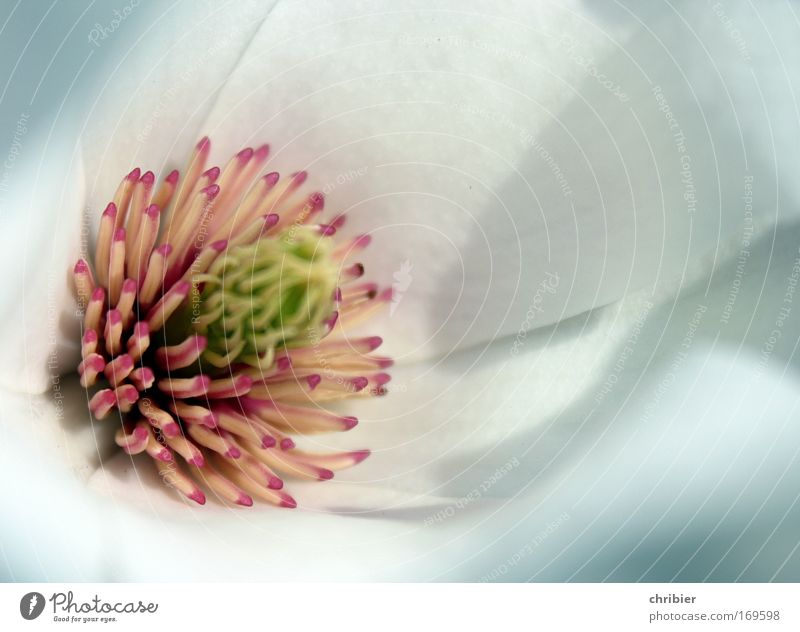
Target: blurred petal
485	149
42	239
154	100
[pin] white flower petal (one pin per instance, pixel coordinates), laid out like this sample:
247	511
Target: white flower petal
148	112
42	240
483	149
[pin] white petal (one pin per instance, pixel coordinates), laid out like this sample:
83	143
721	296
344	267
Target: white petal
482	149
52	528
42	237
148	111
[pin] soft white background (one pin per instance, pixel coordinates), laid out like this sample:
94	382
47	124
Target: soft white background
454	114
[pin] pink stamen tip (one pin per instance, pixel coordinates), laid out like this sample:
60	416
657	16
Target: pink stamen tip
331	322
220	245
360	455
287	444
272	178
81	266
165	455
271	219
212	174
275	483
327	230
386	295
339	221
197	461
262	152
325	475
349	422
245	500
385	363
198	497
99	294
317	200
204	144
211	191
133	176
114	316
125	362
284	363
148	178
164	250
119	234
173	176
356	270
90	336
111	210
245	154
382	378
129	285
96	362
313	381
360	383
374	342
299	177
233	453
268	442
182	287
140	433
153	211
289	502
337	295
363	241
171	430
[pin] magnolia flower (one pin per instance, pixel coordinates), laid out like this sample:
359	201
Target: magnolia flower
558	196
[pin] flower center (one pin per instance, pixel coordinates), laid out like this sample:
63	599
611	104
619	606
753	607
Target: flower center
255	298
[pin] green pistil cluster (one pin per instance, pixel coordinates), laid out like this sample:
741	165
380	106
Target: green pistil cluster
274	293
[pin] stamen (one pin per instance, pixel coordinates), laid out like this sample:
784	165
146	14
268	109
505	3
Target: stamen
113	332
159	418
116	266
186	449
225	489
167	189
84	282
156	450
193	414
102	402
89	368
138	253
181	355
139	340
122	197
162	310
118	369
297	418
126	396
184	388
89	343
142	378
154	277
126	300
133	442
173	477
213	441
103	248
